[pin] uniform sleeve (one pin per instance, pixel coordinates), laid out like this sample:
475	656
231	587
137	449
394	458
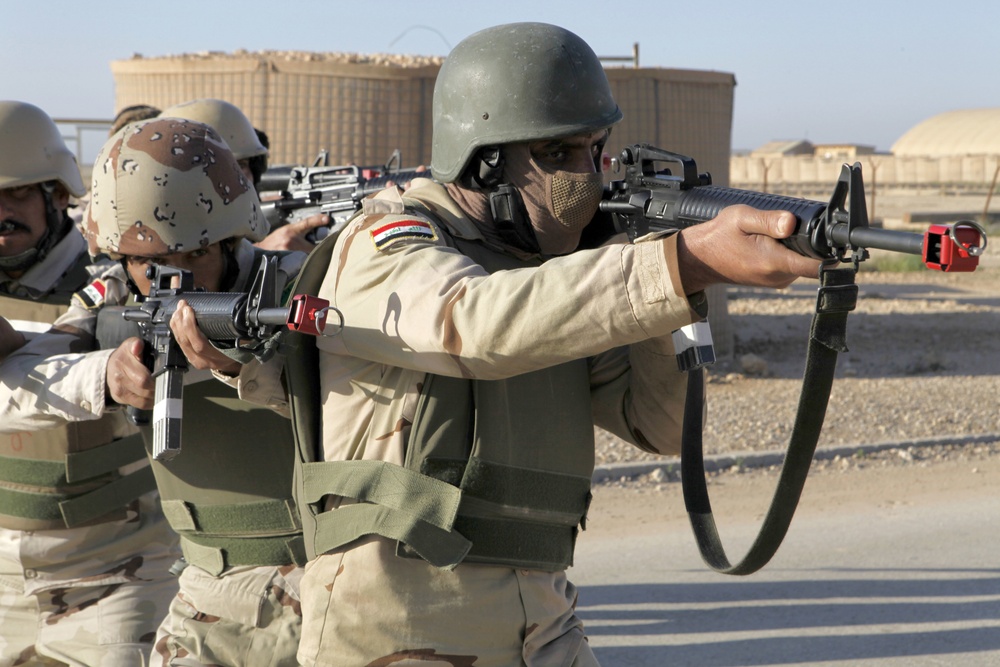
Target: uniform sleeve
417	303
58	377
637	391
45	383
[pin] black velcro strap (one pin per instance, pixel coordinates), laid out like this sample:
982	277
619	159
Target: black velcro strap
837	292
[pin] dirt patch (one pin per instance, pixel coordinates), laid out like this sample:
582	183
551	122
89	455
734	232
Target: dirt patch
924	361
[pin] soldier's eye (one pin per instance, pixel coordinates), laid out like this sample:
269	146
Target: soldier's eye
18	193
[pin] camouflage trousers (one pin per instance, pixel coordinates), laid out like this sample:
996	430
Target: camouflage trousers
367	606
246	617
82	626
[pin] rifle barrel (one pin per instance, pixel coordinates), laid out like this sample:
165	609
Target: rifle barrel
879	239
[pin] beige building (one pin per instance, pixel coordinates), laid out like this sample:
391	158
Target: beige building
954	154
360	108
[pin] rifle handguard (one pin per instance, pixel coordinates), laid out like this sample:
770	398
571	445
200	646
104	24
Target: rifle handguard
651	198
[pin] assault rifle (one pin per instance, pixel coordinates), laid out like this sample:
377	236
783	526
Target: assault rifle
651	198
231	318
334	190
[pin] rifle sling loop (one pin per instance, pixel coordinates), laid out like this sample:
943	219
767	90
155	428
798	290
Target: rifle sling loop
837	296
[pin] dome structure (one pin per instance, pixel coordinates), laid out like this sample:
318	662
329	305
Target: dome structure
953	133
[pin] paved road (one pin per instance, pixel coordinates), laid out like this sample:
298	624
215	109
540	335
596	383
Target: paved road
914	582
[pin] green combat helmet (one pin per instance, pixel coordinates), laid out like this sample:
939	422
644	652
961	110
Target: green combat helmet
168	185
514	83
232	124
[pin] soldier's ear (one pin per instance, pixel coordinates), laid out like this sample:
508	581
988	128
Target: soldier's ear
60	196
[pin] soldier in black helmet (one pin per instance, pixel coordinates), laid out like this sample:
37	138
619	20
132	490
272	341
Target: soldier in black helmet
444	487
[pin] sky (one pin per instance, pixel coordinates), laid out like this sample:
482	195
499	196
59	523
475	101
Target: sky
857	71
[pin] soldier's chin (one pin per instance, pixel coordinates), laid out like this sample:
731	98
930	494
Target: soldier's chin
14	242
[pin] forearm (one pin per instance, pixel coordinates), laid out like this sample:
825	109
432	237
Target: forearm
464	321
639	395
260	384
38	392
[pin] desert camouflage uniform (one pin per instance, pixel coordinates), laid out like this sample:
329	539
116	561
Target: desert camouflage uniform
416	306
87	595
225	613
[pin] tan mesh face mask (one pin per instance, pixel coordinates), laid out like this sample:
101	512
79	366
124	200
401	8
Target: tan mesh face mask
559	203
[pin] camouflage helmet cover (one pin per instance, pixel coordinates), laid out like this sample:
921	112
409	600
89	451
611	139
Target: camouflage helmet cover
513	83
228	121
32	150
168	185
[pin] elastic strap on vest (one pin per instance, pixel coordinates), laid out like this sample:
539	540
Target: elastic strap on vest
68	508
518	544
499	490
515	516
69	511
217	554
396	503
264	517
108	498
78	467
104	459
216	537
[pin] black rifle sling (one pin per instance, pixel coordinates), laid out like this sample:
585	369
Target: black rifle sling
837	296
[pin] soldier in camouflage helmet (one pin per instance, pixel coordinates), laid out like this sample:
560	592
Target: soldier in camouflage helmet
169	191
248	145
132	114
457	409
84	546
235	128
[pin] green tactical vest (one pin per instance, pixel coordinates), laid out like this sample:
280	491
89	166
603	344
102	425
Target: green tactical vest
66	476
495	471
228	494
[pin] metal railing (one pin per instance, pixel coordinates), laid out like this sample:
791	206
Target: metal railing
85	138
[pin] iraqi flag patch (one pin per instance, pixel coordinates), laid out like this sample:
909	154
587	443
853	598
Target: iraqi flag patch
92	296
384	236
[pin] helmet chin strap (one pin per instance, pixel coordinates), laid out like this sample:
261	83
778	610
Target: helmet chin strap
511	219
57	225
509	215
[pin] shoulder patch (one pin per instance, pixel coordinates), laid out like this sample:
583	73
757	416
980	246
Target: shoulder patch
386	235
92	296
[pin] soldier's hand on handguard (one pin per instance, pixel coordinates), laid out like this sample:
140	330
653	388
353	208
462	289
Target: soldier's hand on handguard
128	381
10	338
741	246
200	352
293	235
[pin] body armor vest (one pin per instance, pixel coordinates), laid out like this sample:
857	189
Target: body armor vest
66	476
495	471
228	493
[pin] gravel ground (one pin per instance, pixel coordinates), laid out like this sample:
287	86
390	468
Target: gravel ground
924	362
